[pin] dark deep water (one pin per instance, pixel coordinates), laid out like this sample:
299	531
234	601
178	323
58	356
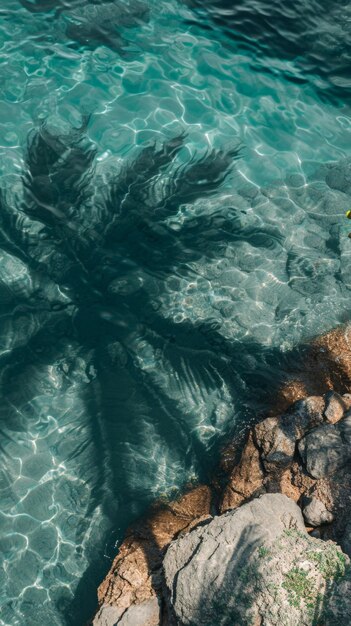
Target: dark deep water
174	179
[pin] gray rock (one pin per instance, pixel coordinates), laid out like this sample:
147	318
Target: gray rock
146	613
307	413
347	400
277	442
334	407
323	450
276	436
344	428
107	616
316	513
254	565
346	539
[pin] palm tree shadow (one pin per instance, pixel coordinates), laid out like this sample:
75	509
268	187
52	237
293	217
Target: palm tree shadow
109	263
81	258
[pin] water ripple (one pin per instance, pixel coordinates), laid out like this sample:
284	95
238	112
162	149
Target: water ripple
144	319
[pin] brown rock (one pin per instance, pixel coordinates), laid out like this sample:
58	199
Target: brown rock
171	518
231	453
331	355
306	414
135	577
300	479
293	390
276	439
283	483
323	490
245	480
335	407
130	578
327	366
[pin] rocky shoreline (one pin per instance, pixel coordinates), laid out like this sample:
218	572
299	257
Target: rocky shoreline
272	547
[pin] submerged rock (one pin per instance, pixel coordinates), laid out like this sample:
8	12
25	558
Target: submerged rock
257	565
339	176
100	24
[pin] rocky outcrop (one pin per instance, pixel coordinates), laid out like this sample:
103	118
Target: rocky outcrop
298	454
257	565
302	456
303	451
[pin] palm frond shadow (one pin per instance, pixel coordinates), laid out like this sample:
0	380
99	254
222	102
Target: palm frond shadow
95	256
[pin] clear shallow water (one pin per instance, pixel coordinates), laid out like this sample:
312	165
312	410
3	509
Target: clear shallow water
122	369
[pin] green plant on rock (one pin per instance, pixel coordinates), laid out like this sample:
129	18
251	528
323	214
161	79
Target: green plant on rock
296	534
263	552
330	561
300	587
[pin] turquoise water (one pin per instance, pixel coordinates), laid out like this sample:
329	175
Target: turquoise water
147	312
